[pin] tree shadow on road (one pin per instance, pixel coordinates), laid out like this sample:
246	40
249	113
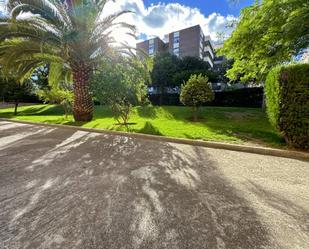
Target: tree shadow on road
101	191
298	213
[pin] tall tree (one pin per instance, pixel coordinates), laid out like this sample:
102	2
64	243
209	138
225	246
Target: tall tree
188	66
165	65
11	90
269	32
72	33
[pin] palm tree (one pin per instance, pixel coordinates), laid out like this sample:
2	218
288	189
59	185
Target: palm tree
74	33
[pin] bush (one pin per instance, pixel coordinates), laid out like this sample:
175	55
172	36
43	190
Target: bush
195	92
59	93
287	97
121	86
245	97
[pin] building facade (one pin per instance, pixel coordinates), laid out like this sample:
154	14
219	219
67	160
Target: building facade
186	42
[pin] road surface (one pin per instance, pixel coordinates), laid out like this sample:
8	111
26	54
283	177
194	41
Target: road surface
63	188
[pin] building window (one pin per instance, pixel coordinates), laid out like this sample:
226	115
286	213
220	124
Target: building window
151	47
176	43
202	35
176	51
176	37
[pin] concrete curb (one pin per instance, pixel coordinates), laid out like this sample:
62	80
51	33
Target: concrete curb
216	145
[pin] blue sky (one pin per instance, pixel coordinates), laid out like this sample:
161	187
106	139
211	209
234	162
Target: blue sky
158	18
209	6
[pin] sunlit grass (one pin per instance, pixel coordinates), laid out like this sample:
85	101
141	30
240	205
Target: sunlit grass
225	124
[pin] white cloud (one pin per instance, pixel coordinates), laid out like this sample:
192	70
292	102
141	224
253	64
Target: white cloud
1	7
160	19
305	56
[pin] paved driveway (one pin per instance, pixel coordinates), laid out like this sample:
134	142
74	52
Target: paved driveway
61	188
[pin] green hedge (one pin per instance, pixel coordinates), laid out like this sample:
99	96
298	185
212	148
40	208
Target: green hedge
287	96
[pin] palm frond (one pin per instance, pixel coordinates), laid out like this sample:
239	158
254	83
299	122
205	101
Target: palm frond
59	73
59	31
107	21
44	8
30	29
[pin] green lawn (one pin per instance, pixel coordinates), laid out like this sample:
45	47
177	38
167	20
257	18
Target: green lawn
228	124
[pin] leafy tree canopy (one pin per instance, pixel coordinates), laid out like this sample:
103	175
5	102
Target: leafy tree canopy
122	85
40	77
170	70
195	92
11	90
269	33
165	65
192	65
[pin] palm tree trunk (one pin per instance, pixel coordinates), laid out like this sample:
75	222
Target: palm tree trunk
82	105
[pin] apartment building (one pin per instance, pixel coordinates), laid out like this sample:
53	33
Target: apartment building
186	42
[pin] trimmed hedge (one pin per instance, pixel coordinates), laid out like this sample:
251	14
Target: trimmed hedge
246	97
287	98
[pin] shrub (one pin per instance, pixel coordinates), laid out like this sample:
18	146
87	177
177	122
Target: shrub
59	93
59	88
287	97
196	92
245	97
121	86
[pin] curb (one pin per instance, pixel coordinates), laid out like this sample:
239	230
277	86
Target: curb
216	145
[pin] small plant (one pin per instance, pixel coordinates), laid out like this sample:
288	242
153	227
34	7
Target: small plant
196	92
122	110
59	89
60	94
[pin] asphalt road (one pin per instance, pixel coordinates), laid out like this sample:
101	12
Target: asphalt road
61	188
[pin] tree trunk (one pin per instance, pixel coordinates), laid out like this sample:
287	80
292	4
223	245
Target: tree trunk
195	112
264	101
82	104
162	92
15	107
